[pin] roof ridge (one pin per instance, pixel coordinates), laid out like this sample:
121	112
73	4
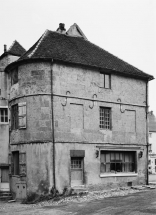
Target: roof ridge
12	45
39	42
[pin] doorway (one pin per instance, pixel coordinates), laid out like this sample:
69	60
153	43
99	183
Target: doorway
77	164
4	178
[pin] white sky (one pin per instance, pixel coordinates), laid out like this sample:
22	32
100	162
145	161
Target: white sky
125	28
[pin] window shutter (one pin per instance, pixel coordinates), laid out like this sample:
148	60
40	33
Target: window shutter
9	117
11	164
101	80
22	163
22	115
9	161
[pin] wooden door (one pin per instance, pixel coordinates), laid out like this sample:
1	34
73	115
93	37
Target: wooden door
76	171
4	180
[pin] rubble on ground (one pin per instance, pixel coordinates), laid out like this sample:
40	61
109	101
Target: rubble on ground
94	195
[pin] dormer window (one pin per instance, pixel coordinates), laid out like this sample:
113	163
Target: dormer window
105	81
14	76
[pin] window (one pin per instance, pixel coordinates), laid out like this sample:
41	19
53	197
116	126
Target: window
14	76
105	81
14	117
3	115
155	161
76	163
105	118
15	164
150	148
117	162
18	116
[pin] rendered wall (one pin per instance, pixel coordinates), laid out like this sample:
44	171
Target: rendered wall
34	88
84	83
35	140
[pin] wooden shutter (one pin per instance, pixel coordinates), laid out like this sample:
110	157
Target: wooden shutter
9	117
22	115
22	163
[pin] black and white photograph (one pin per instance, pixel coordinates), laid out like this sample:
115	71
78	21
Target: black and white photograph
77	107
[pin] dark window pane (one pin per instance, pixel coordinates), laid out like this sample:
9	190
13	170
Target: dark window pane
115	161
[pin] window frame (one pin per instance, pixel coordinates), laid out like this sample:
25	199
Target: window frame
19	117
122	173
14	117
103	78
15	171
21	163
104	122
7	115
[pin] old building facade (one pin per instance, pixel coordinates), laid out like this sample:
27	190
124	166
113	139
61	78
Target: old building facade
78	117
9	56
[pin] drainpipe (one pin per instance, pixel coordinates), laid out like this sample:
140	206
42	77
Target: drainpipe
147	181
52	119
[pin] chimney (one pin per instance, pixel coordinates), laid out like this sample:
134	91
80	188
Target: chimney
5	48
61	28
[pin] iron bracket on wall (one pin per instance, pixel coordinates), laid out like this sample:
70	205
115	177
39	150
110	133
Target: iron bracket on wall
68	92
91	107
121	107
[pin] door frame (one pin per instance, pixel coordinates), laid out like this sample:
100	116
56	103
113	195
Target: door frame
4	186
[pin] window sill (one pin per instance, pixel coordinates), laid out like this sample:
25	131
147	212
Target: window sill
4	123
104	88
102	175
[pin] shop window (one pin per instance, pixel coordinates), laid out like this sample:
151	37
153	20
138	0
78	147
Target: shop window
18	116
105	118
105	81
117	162
3	115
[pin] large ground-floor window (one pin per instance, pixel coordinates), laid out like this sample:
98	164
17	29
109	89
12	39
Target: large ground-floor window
117	161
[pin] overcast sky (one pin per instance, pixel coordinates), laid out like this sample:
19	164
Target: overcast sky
125	28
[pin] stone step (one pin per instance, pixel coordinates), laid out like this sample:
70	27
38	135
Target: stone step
5	195
7	198
79	189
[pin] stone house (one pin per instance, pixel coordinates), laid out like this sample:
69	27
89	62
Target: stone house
78	117
10	55
152	142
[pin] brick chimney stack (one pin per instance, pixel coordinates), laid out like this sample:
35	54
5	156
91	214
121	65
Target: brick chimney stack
61	28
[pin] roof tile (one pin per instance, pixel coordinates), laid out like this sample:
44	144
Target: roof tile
80	51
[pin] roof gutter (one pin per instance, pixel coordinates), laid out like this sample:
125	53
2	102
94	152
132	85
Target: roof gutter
144	76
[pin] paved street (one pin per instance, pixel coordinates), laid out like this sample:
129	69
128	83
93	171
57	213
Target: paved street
140	203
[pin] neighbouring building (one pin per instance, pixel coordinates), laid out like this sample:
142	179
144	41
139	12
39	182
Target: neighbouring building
78	117
10	55
152	142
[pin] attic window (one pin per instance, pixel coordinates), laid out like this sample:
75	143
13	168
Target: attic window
105	81
14	76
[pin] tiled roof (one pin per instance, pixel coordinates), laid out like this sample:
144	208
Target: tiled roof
16	49
152	122
56	46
